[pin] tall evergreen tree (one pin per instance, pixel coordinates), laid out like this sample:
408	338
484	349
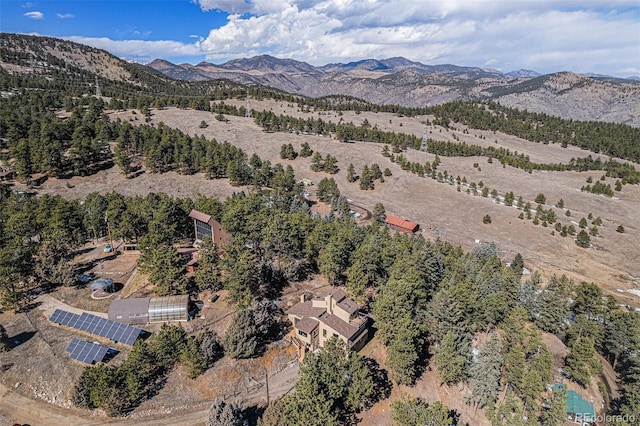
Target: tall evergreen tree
366	179
485	373
351	173
452	358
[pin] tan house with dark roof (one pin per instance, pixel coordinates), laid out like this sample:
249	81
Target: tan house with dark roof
315	320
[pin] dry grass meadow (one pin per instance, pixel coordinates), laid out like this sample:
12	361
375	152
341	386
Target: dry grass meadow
442	211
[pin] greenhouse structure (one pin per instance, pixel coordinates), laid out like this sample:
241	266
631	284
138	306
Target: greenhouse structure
154	309
169	308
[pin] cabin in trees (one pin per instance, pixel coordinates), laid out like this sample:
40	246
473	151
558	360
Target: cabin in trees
401	225
206	226
317	319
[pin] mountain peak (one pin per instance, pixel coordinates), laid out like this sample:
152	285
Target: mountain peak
522	73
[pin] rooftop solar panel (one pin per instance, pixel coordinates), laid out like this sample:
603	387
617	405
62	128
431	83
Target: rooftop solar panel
87	352
99	326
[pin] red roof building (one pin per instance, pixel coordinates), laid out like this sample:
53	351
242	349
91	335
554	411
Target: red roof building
401	225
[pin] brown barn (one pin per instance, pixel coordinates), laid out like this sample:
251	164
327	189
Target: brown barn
401	225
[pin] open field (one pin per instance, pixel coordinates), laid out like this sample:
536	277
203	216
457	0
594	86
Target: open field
441	210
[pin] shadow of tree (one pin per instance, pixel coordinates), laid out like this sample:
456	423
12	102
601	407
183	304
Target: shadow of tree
28	307
381	384
21	338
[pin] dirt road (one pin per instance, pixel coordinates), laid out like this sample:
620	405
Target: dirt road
15	407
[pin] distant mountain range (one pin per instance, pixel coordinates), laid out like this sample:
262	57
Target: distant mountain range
387	81
401	81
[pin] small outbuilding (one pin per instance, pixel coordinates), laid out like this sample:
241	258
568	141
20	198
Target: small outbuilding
401	225
169	308
143	310
578	409
130	311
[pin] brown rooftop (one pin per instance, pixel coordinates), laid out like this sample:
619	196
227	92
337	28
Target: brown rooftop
202	217
307	325
305	309
343	328
349	305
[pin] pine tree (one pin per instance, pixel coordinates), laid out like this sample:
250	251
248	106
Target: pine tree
192	359
583	239
366	179
5	343
451	359
554	409
328	191
379	214
408	411
376	173
331	165
305	150
553	306
351	173
208	272
317	163
517	264
224	414
485	373
581	363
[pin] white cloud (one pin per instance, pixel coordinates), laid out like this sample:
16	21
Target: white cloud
65	15
544	35
28	5
141	50
254	7
34	15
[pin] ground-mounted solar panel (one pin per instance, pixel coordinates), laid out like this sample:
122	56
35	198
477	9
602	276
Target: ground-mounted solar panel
64	318
87	352
112	330
99	326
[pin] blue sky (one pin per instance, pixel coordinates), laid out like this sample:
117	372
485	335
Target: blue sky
544	35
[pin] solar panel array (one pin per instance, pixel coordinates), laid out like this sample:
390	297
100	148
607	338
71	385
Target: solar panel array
87	352
113	330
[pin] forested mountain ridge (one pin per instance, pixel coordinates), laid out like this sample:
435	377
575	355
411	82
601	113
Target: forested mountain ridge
403	82
394	81
48	62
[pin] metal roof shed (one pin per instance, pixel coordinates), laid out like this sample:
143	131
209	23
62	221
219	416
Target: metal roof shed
130	311
169	308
